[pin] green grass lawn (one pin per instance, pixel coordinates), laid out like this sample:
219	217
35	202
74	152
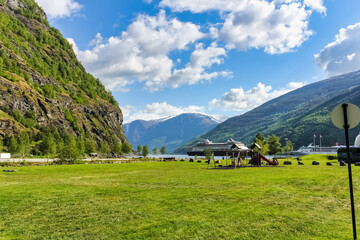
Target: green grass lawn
177	200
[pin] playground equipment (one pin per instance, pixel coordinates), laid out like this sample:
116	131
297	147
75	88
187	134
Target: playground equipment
256	157
239	157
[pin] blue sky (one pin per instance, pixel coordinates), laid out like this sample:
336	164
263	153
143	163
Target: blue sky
221	57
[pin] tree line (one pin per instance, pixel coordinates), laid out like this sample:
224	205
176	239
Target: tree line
52	143
271	145
144	150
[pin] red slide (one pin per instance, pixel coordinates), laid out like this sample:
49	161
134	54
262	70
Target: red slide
273	162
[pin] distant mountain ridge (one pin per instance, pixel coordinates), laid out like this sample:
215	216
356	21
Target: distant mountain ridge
170	132
297	115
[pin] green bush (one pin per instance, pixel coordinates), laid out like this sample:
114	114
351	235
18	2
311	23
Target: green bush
49	90
69	153
68	116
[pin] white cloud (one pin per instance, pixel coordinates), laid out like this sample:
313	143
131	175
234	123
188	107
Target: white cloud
277	30
276	26
97	40
350	57
200	6
342	55
126	112
294	85
59	8
141	54
239	100
316	5
200	60
157	111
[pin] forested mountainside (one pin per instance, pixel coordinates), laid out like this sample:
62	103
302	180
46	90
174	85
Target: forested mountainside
45	91
171	133
297	115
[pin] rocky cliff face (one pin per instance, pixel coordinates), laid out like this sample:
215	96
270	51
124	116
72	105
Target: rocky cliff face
92	118
43	85
15	5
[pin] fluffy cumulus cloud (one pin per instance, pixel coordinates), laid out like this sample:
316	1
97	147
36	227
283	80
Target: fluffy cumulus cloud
240	100
276	26
157	111
200	60
59	8
342	55
199	6
141	54
316	5
262	25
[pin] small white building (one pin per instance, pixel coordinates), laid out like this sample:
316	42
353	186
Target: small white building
5	155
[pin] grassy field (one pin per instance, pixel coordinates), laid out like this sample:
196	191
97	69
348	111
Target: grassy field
177	200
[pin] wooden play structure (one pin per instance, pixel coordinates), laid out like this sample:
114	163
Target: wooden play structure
237	156
256	157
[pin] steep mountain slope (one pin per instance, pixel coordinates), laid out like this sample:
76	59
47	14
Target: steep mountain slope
43	87
297	115
135	131
170	133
